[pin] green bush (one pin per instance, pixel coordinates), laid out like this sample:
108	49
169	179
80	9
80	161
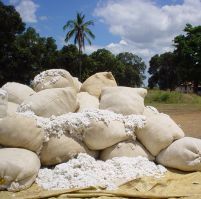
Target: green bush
171	97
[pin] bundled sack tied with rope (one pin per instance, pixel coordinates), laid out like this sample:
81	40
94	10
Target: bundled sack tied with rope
48	102
125	149
20	131
96	82
183	154
124	100
18	168
61	149
159	132
17	92
53	78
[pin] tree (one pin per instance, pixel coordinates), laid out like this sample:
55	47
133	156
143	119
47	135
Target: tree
127	68
154	65
24	53
33	54
188	55
67	59
134	69
104	60
11	25
163	71
78	29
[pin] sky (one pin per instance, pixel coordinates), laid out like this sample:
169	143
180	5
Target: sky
143	27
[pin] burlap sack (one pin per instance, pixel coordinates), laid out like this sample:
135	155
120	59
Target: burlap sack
96	82
141	91
125	149
183	154
77	84
87	101
149	111
3	110
20	131
56	101
17	92
99	136
12	108
58	150
122	100
159	132
53	78
3	103
18	168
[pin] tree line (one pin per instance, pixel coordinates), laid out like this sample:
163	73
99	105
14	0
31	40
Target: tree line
24	53
183	65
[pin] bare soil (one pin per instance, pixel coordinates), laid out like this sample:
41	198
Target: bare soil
187	116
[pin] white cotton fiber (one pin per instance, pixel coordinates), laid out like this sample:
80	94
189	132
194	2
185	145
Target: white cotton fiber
74	124
85	171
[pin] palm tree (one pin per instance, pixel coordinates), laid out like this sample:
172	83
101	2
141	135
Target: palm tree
78	29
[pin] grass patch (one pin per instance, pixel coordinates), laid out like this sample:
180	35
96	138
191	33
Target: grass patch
176	108
171	97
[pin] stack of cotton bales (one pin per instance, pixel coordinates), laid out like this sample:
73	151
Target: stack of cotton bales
38	126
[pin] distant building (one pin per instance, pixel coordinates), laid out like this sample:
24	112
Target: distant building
187	88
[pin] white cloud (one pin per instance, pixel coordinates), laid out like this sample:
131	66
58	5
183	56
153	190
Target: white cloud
27	10
89	49
123	42
43	18
144	27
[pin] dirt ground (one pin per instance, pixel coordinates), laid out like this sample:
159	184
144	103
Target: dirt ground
188	117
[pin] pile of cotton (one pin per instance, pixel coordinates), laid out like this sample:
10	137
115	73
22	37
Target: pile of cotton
85	171
54	78
75	127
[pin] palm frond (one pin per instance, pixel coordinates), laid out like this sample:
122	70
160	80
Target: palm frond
88	23
87	38
88	31
79	29
69	35
69	24
80	17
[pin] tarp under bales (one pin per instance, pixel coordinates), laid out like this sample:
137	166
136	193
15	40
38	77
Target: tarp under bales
173	185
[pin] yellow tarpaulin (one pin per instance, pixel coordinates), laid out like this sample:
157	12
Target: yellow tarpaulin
173	185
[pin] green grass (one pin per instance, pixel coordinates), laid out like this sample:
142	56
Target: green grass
171	97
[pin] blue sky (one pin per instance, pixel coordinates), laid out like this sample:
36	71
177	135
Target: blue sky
52	15
143	27
58	12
